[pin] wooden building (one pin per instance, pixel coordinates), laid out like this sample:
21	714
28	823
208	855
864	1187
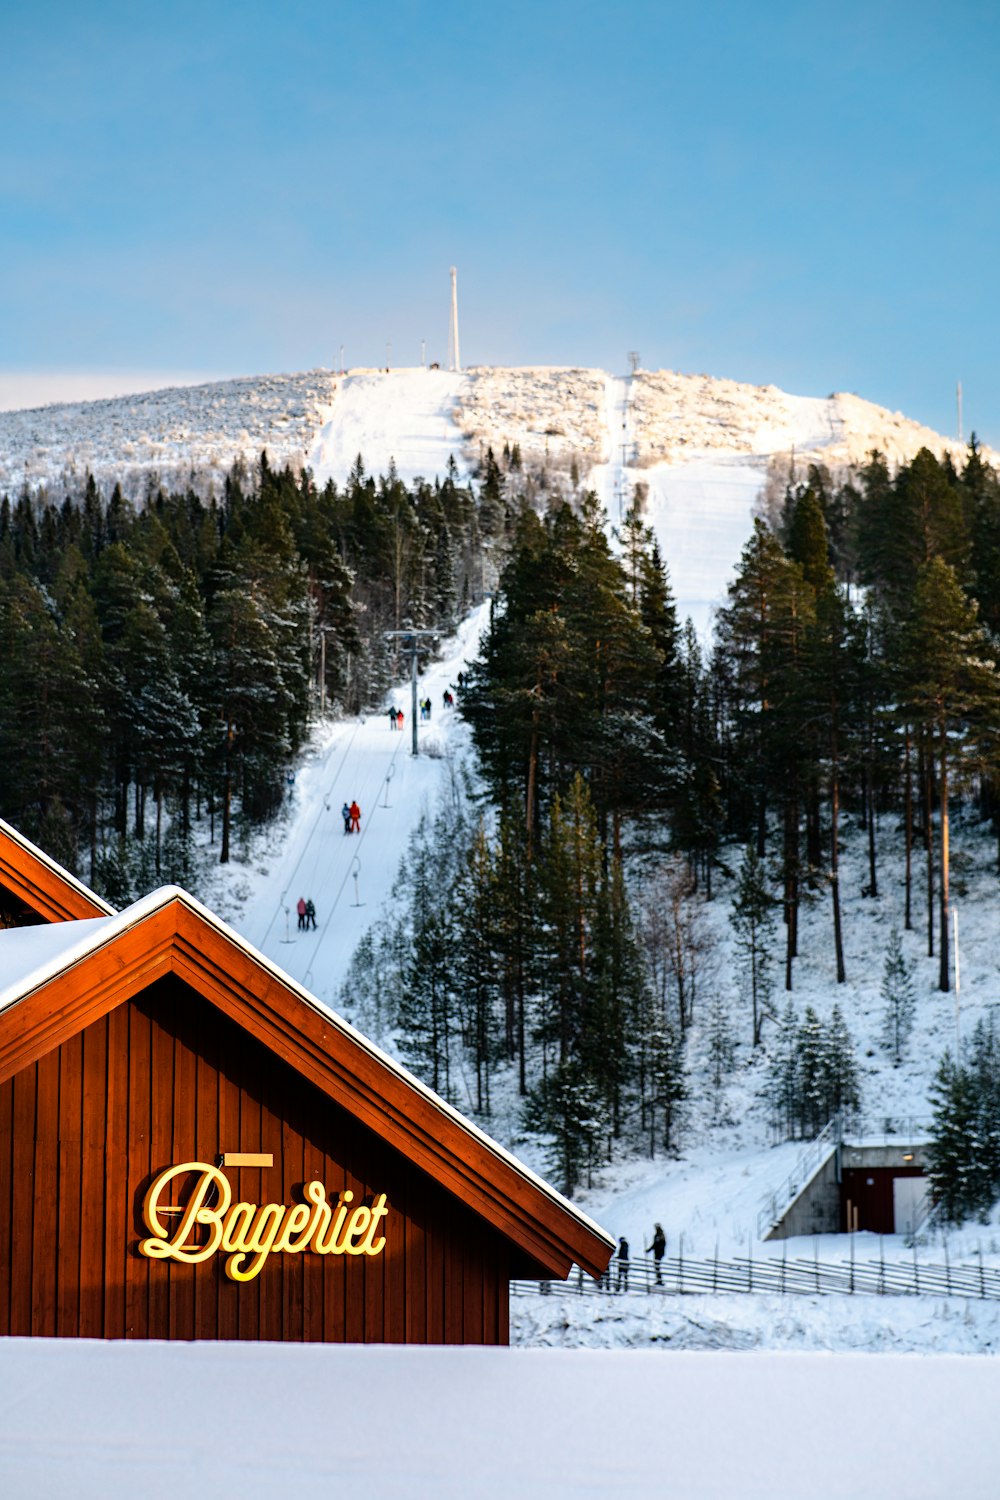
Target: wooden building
192	1146
34	889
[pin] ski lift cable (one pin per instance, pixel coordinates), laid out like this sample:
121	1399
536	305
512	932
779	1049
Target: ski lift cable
368	796
332	909
305	847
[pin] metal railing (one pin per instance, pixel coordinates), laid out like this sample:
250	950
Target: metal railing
809	1161
681	1275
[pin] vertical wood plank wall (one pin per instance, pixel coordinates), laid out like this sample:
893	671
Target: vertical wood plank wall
167	1079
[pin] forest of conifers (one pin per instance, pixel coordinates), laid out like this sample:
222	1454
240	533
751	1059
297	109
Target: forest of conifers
159	665
852	675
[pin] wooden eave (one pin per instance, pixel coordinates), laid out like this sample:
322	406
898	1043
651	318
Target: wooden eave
175	938
43	885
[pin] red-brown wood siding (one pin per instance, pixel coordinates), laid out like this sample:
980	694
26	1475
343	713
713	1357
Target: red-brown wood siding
167	1078
869	1191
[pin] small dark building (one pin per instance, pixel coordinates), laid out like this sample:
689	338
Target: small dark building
883	1188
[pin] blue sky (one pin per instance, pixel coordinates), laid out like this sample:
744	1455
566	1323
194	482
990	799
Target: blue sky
804	194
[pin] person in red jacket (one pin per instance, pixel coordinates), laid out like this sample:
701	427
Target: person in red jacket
355	818
300	907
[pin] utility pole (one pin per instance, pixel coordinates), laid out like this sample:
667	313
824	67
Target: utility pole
411	639
633	360
388	356
341	359
958	994
423	354
454	353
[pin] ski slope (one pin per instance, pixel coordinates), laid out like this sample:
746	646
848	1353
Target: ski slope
700	509
349	877
398	416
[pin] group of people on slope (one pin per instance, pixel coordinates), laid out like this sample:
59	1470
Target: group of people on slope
307	913
620	1261
424	704
351	814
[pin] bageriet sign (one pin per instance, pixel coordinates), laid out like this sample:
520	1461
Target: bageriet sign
247	1233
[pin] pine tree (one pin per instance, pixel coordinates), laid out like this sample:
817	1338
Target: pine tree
567	1106
841	1095
898	997
720	1043
753	927
953	1163
427	1007
951	690
477	963
784	1082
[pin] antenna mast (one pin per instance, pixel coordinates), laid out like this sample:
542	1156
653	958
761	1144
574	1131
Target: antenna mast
454	356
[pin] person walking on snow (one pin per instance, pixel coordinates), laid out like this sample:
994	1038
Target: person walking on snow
658	1247
355	816
622	1283
300	907
310	914
345	813
392	717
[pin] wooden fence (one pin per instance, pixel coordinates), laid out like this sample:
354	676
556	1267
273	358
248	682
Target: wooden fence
679	1275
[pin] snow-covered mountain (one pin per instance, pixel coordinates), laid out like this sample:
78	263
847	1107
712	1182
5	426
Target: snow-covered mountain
700	446
421	417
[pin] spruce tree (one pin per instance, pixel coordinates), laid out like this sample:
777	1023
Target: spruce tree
753	928
898	997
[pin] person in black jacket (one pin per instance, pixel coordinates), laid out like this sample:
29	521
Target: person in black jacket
658	1248
622	1283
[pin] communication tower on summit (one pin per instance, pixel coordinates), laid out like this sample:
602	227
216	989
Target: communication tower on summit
454	356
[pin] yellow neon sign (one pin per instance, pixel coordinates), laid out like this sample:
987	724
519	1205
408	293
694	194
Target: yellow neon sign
247	1232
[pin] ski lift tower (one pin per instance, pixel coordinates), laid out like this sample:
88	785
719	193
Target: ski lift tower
411	638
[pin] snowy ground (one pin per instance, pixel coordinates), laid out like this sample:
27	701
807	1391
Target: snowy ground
402	416
702	515
93	1421
741	1322
361	760
181	434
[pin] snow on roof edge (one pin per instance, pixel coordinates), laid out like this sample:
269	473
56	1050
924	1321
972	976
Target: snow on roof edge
131	916
55	867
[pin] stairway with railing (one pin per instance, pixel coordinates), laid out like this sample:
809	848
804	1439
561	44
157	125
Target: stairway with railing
810	1159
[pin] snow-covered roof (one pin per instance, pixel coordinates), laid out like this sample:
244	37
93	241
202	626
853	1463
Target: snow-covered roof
13	837
29	951
39	955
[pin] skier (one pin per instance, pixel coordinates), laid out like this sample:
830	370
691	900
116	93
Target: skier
658	1247
310	914
345	813
300	907
354	813
622	1283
